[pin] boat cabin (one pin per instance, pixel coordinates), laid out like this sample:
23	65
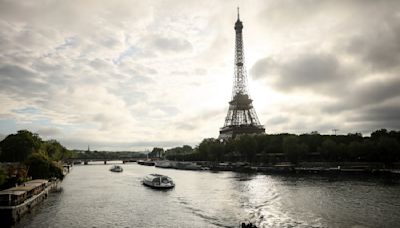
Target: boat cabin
17	195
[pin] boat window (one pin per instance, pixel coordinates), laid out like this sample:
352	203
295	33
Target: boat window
166	180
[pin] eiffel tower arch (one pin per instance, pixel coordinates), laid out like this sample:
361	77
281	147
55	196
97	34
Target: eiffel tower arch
241	118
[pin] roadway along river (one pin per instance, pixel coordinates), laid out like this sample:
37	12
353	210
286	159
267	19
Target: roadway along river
92	196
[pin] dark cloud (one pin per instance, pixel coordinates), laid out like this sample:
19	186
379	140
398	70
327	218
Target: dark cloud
386	113
21	82
355	66
263	68
308	71
277	120
376	117
358	96
377	41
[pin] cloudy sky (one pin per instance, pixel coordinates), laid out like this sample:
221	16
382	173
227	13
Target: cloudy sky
130	75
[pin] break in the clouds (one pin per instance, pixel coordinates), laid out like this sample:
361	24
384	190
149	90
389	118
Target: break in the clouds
124	75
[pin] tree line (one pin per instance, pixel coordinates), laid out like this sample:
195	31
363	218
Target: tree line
382	146
32	156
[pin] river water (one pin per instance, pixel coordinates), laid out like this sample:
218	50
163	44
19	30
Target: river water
92	196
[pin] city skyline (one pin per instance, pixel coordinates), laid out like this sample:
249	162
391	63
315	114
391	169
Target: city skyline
131	75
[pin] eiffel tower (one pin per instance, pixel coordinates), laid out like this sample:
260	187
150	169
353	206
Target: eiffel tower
241	118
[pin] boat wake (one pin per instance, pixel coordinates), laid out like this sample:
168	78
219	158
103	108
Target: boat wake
202	214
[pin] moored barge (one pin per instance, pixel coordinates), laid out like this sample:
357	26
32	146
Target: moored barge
16	201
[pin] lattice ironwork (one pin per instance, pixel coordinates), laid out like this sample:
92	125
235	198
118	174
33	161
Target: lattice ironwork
241	117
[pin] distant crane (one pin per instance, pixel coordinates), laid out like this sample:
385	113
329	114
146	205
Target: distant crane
335	130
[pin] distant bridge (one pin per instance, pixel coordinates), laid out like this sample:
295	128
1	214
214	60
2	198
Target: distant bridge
86	161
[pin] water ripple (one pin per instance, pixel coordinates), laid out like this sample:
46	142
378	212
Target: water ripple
91	196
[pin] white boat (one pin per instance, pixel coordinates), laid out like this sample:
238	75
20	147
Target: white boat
158	181
187	166
163	164
116	168
146	162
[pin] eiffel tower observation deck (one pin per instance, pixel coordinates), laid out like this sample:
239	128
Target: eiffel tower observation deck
241	118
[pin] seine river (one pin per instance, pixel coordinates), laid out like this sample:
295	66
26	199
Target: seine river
92	196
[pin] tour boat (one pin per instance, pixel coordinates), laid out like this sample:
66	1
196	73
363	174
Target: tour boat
146	162
187	166
158	181
163	164
116	168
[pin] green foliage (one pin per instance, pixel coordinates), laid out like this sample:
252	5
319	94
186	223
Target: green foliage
382	146
246	145
184	153
379	133
54	150
293	149
39	156
388	149
207	147
156	152
2	176
329	150
41	167
17	147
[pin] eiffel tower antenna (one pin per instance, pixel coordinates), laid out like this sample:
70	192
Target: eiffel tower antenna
241	117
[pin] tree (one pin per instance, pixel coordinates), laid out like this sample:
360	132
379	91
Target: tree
54	150
156	152
216	151
178	152
17	147
355	151
328	150
41	167
293	150
313	141
204	148
379	133
2	176
246	145
388	149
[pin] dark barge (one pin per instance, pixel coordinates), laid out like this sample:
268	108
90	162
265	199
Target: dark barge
16	201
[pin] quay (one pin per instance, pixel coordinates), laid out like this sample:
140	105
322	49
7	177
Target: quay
16	201
285	167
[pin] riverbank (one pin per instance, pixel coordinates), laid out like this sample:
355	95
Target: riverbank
17	201
286	167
